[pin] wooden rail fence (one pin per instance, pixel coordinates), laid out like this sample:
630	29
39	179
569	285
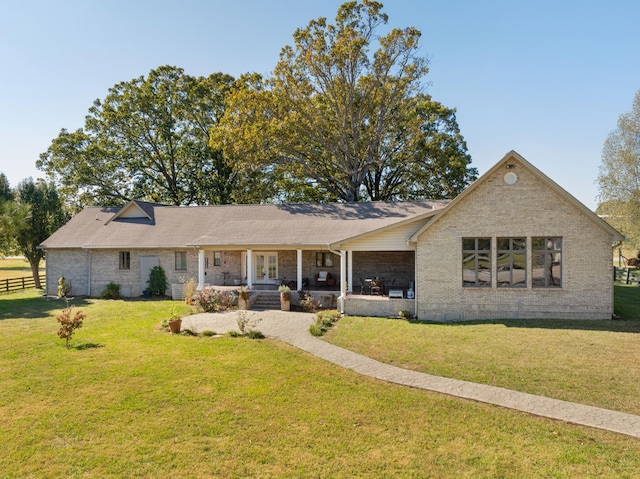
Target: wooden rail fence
16	284
626	275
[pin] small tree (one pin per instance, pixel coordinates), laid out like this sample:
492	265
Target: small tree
157	281
69	323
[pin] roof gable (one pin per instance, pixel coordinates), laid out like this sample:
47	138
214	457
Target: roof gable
510	160
135	210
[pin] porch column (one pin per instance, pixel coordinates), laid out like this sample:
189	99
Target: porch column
200	269
299	265
343	275
350	270
249	268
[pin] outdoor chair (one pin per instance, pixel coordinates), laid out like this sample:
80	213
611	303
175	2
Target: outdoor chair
364	286
322	278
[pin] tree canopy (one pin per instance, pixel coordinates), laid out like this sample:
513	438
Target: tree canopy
31	217
339	122
148	139
619	178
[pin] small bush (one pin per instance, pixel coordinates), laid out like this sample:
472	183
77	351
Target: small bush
405	314
254	334
112	291
157	281
190	288
207	333
324	321
64	287
316	330
234	334
307	303
208	299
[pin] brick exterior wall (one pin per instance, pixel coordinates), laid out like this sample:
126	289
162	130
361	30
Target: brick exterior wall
73	264
529	208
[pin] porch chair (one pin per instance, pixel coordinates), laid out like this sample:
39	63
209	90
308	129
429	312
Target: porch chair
363	286
322	277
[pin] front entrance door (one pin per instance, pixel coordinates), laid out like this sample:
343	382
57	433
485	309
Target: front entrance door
265	267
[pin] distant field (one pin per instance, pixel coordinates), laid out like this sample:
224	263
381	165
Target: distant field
16	268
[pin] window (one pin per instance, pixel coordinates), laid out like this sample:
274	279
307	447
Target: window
216	258
476	262
512	262
125	260
181	260
324	259
546	262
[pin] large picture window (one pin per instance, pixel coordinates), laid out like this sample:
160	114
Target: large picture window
512	262
476	262
181	260
546	262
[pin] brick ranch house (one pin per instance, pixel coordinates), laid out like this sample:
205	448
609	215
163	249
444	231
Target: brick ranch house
514	244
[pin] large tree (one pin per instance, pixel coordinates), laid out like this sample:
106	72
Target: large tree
148	139
34	214
339	122
619	179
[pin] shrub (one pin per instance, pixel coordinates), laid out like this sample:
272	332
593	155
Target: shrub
208	299
324	321
405	314
207	333
190	288
315	330
157	281
254	334
69	323
307	303
64	288
112	291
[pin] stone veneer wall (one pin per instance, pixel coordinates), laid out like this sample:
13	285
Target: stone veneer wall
526	209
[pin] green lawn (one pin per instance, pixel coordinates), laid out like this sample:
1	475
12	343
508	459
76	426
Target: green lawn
16	268
590	362
130	401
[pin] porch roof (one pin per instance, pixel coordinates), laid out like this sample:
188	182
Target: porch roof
300	225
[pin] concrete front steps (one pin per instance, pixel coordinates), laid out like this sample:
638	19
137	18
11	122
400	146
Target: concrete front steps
266	300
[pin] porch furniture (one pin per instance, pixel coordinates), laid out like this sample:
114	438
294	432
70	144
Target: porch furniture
396	293
377	287
322	278
365	285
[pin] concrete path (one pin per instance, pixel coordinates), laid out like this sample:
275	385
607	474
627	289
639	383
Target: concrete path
293	328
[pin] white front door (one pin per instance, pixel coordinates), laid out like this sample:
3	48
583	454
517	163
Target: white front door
265	269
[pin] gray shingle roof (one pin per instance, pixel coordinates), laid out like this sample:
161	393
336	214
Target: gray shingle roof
234	225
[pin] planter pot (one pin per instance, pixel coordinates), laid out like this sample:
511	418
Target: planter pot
285	305
243	303
175	325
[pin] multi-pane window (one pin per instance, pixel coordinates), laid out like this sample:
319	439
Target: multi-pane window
125	260
181	260
324	259
546	262
512	262
217	259
476	262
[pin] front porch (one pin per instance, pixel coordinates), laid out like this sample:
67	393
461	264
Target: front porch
373	282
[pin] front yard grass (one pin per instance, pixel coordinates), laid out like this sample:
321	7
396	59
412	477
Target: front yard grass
589	362
130	401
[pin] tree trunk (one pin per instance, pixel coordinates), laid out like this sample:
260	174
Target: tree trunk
35	271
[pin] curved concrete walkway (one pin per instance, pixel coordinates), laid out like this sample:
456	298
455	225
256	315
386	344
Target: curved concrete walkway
293	328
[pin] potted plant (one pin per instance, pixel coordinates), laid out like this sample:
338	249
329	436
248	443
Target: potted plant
243	297
285	297
175	323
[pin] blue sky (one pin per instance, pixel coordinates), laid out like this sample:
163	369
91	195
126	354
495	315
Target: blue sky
545	78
